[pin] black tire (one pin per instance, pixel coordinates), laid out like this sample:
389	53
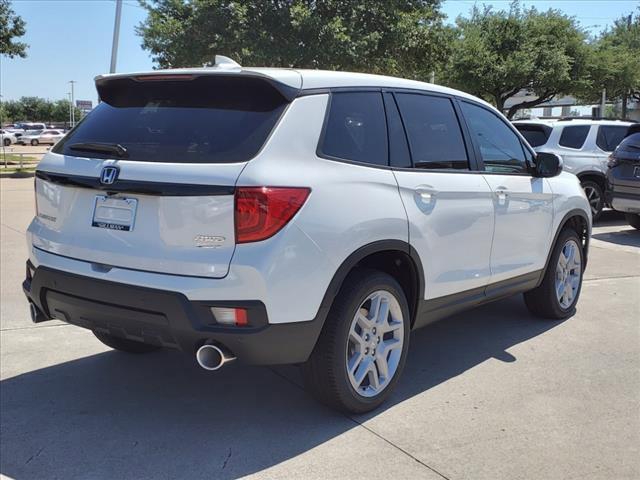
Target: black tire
543	301
325	373
6	142
124	345
34	142
633	219
595	194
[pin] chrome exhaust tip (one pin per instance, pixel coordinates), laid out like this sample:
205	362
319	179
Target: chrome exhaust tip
210	357
36	314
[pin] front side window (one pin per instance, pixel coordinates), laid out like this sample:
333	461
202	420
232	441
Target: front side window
574	136
610	136
500	147
356	128
434	134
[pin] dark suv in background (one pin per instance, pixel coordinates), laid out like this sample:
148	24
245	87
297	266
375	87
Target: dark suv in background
623	179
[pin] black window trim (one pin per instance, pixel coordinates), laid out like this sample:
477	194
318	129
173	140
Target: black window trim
523	144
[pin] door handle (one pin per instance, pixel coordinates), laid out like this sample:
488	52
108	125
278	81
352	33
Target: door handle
502	195
426	194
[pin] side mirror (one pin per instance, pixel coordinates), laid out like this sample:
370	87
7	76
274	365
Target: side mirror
548	165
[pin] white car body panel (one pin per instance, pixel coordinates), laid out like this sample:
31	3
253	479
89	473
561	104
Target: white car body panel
521	204
449	212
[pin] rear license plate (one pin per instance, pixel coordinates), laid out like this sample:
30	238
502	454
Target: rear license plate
636	172
114	213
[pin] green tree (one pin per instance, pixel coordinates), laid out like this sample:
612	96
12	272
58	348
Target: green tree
615	63
496	54
36	109
402	37
11	27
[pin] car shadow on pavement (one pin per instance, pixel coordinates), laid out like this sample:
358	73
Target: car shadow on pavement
114	415
627	236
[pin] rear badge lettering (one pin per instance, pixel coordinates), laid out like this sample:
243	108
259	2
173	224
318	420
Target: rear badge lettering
209	241
112	226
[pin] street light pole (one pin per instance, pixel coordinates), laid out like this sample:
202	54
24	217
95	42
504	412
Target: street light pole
73	110
116	36
70	108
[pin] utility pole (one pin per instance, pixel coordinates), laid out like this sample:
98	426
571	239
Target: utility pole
70	108
603	102
73	110
116	36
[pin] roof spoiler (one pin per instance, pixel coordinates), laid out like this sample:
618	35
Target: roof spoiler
226	68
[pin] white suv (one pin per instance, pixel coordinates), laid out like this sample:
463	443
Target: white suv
296	217
584	146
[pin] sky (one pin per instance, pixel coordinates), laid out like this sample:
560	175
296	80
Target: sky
71	40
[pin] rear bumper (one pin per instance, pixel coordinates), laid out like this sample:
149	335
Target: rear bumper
166	318
624	201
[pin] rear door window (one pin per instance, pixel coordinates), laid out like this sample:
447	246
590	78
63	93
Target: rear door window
433	131
536	135
206	119
574	136
356	128
610	136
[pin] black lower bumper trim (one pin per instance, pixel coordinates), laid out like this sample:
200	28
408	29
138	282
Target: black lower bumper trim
167	318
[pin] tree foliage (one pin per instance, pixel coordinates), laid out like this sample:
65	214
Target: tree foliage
11	27
496	54
398	37
36	109
615	62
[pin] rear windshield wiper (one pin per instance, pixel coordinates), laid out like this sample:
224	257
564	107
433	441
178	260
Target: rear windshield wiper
115	148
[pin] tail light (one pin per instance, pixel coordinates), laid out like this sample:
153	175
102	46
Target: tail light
261	212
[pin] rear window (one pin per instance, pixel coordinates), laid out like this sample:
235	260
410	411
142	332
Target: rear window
574	136
610	136
207	119
536	135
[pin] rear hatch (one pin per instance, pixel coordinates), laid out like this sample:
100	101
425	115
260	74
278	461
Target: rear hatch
625	165
146	181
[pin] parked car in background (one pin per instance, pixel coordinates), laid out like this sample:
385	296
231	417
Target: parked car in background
45	137
584	146
301	217
623	179
30	126
7	138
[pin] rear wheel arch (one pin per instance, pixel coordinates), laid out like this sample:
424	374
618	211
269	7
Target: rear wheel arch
394	257
593	176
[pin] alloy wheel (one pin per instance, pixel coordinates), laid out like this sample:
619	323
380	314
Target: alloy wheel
568	272
375	342
594	198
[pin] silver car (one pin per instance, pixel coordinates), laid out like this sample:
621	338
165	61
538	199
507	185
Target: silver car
584	145
37	137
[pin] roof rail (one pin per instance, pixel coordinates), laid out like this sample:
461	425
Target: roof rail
591	117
